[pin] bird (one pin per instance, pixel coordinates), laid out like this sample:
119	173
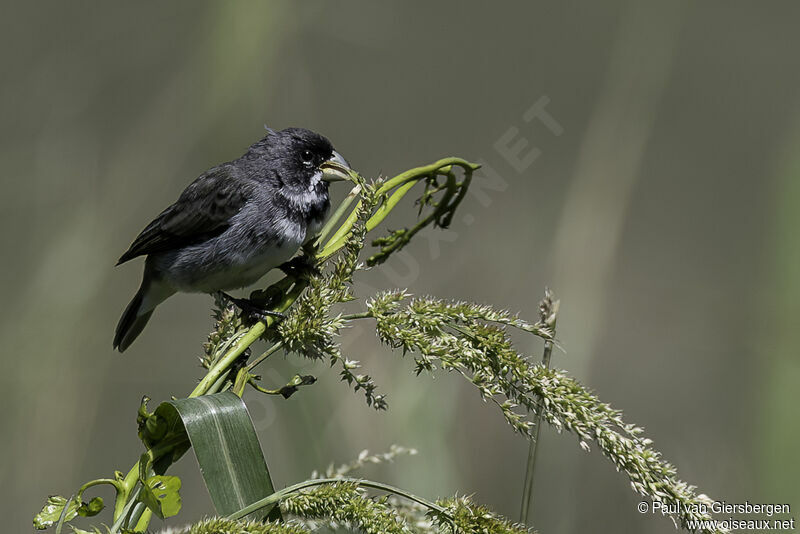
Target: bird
234	223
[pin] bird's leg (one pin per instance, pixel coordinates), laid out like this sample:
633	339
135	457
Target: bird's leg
253	310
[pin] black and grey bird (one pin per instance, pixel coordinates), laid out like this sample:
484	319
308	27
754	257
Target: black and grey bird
234	223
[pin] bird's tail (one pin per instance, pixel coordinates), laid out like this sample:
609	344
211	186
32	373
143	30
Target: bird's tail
135	317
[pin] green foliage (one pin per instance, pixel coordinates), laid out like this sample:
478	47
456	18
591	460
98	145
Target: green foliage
56	506
161	494
310	328
442	180
471	340
162	430
466	517
52	510
226	447
219	525
228	326
459	512
93	507
345	504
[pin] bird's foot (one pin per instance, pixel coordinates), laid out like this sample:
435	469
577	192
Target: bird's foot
252	310
300	267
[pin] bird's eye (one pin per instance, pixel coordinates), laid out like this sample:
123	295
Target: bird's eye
306	156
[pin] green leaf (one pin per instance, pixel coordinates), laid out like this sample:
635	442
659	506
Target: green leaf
226	447
64	511
163	426
162	495
91	508
76	530
52	510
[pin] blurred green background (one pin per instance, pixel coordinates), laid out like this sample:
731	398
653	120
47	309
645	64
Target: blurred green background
665	216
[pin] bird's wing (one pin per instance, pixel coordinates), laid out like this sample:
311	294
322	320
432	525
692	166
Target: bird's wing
201	212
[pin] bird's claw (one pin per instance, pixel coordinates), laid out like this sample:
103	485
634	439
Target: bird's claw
300	267
251	310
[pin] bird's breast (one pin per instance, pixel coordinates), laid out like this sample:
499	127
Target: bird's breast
262	236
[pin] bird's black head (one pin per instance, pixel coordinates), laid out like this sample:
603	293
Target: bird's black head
296	155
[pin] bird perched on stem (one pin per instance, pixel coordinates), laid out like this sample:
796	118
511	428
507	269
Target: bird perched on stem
234	223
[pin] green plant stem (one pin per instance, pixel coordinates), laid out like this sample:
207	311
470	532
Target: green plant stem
263	390
127	487
118	521
527	490
247	339
144	520
63	516
354	316
216	386
100	481
221	366
337	215
282	494
138	515
403	182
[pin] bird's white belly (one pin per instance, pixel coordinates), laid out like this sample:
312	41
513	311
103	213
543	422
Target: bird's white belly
245	273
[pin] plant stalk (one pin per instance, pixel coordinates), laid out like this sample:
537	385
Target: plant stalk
527	491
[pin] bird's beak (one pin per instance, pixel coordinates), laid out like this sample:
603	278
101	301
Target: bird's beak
336	169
